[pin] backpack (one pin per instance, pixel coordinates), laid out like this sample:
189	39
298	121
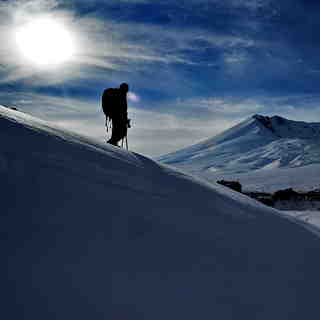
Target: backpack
109	102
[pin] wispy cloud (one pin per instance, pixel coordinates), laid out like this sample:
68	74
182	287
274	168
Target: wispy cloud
105	44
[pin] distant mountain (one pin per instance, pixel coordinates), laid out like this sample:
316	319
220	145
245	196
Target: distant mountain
244	152
257	143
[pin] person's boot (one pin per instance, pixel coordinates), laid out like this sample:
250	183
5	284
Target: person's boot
113	143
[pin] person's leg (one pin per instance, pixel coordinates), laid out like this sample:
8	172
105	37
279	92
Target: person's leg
115	133
119	131
123	131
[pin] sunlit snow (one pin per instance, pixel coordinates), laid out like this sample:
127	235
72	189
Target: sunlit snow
262	153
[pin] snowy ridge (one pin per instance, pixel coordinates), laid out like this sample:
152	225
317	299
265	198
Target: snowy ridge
96	232
256	144
283	128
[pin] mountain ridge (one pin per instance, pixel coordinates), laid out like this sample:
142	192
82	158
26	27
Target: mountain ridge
259	142
292	129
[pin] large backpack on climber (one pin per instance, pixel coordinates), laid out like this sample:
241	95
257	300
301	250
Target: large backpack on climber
109	102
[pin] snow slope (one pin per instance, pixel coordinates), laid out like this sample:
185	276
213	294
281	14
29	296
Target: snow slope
253	146
309	217
95	232
304	178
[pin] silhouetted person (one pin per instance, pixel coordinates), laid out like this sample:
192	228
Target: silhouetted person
115	107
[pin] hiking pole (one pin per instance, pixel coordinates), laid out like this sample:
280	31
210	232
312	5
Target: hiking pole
128	127
127	142
124	140
108	124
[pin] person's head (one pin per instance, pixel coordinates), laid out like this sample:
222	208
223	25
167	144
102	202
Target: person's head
124	87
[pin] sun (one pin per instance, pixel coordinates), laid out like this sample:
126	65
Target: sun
45	42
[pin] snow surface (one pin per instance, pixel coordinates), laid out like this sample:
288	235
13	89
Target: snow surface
261	152
298	205
309	217
304	178
95	232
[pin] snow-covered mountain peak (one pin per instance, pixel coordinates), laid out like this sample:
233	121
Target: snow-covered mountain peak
284	128
259	142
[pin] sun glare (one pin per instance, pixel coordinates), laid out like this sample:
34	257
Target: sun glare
45	42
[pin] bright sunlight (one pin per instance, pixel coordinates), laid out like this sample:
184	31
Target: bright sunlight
45	42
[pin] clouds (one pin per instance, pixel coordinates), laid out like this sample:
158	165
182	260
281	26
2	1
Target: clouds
110	47
110	51
195	66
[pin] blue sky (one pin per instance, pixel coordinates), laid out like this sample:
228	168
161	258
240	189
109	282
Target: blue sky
195	67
